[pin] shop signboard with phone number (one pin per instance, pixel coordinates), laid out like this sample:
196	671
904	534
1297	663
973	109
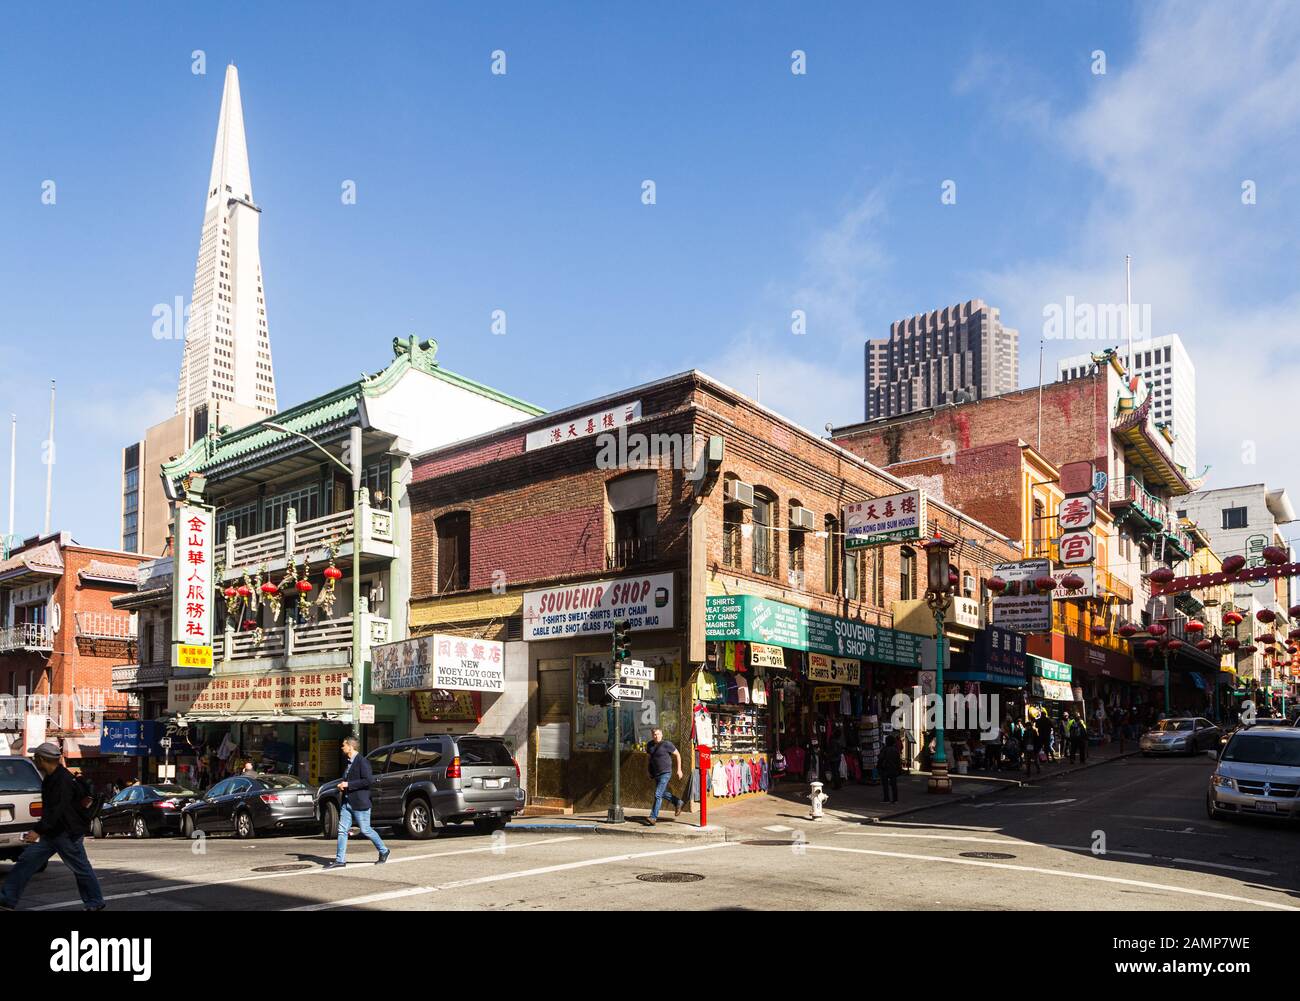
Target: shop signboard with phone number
761	620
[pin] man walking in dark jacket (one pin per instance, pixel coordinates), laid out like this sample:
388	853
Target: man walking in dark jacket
355	787
65	821
890	767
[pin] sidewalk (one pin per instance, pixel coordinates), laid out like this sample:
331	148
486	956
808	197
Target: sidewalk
786	806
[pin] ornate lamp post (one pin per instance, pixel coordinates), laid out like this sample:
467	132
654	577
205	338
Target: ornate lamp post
938	595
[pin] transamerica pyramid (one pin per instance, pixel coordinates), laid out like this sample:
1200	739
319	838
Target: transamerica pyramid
226	375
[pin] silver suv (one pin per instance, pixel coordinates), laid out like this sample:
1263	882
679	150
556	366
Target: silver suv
1258	775
424	783
20	803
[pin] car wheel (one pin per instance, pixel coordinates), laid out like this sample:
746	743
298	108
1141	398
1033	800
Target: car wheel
139	829
96	829
490	824
244	825
418	820
329	821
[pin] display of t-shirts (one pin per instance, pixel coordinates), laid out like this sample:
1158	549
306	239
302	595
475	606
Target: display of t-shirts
731	689
758	692
794	760
742	691
742	657
706	687
763	775
729	657
718	780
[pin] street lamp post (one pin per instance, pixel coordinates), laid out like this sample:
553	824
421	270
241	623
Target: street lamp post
938	595
354	471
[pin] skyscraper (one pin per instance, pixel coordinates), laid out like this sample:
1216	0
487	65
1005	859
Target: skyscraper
226	367
226	376
1164	365
950	355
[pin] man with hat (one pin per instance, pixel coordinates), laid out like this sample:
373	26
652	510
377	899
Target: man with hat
65	821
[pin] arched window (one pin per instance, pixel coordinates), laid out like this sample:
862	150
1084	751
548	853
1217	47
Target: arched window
907	574
832	555
733	517
764	522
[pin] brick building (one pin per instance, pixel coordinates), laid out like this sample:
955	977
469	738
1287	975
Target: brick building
59	639
1103	417
542	533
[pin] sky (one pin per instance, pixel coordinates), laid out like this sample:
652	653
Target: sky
774	191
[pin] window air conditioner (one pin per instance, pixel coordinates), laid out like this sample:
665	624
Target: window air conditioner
738	492
801	518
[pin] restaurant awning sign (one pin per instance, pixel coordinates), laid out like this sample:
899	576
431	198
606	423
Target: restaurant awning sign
192	589
590	609
878	522
289	693
425	663
587	426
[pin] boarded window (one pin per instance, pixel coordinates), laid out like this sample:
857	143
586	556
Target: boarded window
554	691
453	552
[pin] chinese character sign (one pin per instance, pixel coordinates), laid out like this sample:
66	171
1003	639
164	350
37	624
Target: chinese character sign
1077	512
884	520
1077	547
588	426
192	600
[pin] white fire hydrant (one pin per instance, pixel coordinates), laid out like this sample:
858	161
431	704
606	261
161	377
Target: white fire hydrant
818	798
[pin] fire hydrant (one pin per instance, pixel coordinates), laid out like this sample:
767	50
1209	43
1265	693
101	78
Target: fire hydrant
818	798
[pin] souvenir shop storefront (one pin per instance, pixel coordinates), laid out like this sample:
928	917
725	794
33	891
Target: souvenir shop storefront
1051	686
290	723
794	694
991	670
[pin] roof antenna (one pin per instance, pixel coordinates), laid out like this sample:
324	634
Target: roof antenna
49	463
13	468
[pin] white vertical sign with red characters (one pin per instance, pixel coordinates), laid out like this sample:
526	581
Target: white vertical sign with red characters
1076	515
192	588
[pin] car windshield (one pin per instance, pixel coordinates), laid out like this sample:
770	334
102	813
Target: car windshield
1263	749
17	775
477	751
170	790
1173	725
283	782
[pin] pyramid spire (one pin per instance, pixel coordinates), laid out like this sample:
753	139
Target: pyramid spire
230	176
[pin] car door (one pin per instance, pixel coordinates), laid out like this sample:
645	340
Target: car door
382	782
111	817
226	806
205	811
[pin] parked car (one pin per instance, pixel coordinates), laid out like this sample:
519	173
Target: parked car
143	811
423	784
1182	735
20	803
1258	775
247	804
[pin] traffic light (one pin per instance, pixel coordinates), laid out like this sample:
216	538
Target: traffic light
597	693
622	641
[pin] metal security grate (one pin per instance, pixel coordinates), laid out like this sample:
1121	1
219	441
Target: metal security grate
670	877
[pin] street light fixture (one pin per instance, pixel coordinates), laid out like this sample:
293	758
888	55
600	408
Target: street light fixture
354	471
938	595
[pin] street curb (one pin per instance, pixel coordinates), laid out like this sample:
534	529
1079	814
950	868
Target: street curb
629	829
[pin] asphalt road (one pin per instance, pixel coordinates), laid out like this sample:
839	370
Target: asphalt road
1130	835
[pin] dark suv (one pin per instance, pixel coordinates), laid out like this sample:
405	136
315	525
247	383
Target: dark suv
425	783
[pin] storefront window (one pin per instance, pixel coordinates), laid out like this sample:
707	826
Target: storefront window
661	706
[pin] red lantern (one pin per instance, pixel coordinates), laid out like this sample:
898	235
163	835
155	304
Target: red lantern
1274	555
245	591
1151	644
1233	563
1294	611
1127	630
304	586
1195	626
1265	615
269	588
1045	583
230	592
1232	618
1160	575
1175	644
1156	629
1072	582
250	623
1249	648
997	585
333	573
1232	642
1099	630
1267	638
1294	634
1203	644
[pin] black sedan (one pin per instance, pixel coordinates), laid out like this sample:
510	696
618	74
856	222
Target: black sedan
248	804
143	811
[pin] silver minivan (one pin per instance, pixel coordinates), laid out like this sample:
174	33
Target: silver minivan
1258	775
20	803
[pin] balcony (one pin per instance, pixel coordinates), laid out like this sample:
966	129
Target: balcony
34	637
101	634
1109	584
329	640
630	552
1137	500
128	677
309	539
1180	540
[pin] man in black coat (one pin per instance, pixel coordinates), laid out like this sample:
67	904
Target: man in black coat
65	821
355	787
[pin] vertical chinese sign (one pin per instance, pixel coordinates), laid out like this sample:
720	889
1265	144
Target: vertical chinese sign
192	588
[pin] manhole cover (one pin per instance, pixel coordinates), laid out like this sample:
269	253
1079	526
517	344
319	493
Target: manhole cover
771	843
669	877
291	867
986	855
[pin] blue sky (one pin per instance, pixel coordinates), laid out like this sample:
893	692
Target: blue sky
522	192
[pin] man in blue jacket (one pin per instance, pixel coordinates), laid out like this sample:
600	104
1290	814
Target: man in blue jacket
355	787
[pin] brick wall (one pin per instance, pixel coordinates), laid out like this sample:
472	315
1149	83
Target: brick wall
984	483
